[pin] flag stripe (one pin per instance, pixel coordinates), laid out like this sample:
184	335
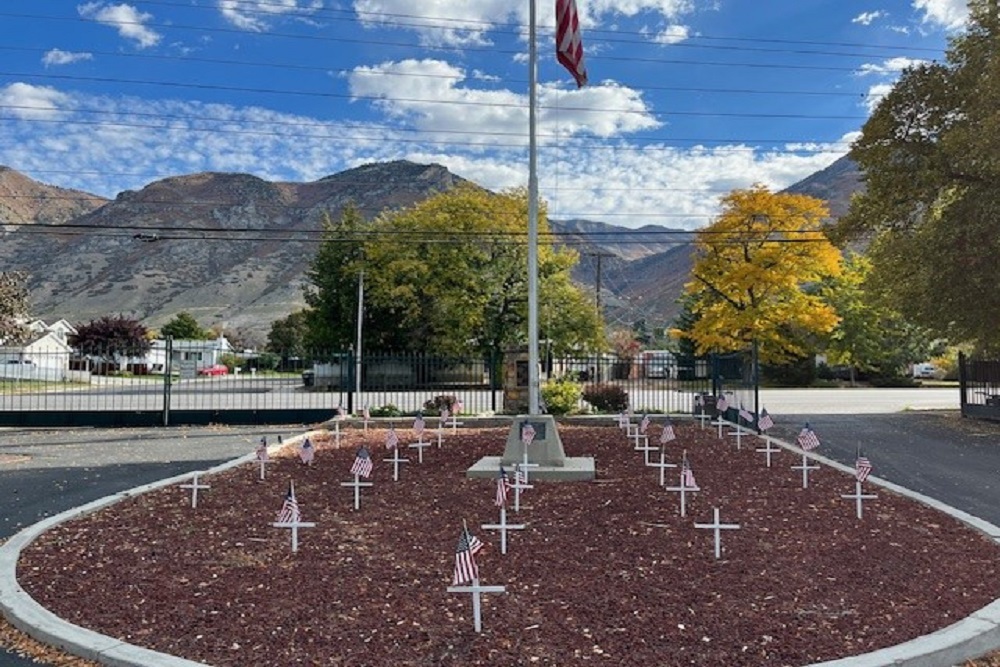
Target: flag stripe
569	46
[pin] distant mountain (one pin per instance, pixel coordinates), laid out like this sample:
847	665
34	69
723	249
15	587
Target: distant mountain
231	249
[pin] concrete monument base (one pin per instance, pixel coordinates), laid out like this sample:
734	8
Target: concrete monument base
545	451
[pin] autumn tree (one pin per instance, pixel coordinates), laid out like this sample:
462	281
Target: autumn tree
13	307
930	156
756	273
870	335
452	273
112	336
184	327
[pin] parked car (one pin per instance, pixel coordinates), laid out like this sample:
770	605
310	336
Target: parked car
924	370
216	369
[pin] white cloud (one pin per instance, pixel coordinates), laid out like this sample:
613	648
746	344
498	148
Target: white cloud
29	102
444	22
672	34
125	18
875	94
948	14
866	18
255	16
622	181
58	57
891	66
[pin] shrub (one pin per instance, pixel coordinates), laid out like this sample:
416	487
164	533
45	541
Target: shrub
561	395
389	410
606	397
438	403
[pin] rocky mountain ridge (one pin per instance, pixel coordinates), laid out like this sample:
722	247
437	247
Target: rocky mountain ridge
231	249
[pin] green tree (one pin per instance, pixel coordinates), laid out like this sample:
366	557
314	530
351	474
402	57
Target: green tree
755	276
287	336
184	327
870	336
449	275
930	155
13	307
112	336
332	293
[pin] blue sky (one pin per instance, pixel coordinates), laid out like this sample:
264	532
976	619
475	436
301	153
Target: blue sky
687	99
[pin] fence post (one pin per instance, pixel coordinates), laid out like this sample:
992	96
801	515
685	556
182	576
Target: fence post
493	380
167	378
962	383
351	374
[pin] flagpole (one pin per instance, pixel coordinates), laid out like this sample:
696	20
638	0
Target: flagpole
533	387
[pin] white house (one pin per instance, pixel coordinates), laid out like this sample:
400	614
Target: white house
188	353
62	328
45	356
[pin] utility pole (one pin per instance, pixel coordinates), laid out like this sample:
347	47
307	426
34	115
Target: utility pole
599	256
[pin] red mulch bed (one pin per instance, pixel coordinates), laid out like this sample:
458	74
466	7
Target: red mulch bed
607	572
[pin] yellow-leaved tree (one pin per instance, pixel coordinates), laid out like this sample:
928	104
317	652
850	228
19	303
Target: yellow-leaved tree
756	276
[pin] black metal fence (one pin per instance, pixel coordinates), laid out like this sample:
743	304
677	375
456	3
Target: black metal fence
979	383
181	386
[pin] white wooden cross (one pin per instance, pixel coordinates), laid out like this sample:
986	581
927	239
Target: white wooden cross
718	527
683	489
262	456
662	465
518	487
420	445
767	450
294	527
395	460
524	466
858	497
503	527
739	435
805	468
336	426
357	484
720	422
194	486
477	590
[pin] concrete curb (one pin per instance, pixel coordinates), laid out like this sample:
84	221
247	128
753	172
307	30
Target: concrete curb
969	638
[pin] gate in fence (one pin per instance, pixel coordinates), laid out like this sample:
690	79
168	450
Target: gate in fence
979	384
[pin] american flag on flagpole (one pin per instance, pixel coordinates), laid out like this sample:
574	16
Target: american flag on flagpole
290	508
722	404
745	414
862	467
418	423
262	450
502	484
569	46
465	558
307	452
687	475
391	439
807	439
765	422
668	433
362	466
644	424
527	433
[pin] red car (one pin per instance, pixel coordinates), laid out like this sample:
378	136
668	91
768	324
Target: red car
217	369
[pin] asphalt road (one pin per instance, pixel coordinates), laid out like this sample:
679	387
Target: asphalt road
937	453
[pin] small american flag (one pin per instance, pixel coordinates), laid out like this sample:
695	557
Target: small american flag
465	558
687	475
668	433
362	466
366	414
644	424
745	414
520	477
391	439
340	412
262	450
862	467
527	433
457	408
290	508
765	422
722	404
807	439
502	484
307	452
418	423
